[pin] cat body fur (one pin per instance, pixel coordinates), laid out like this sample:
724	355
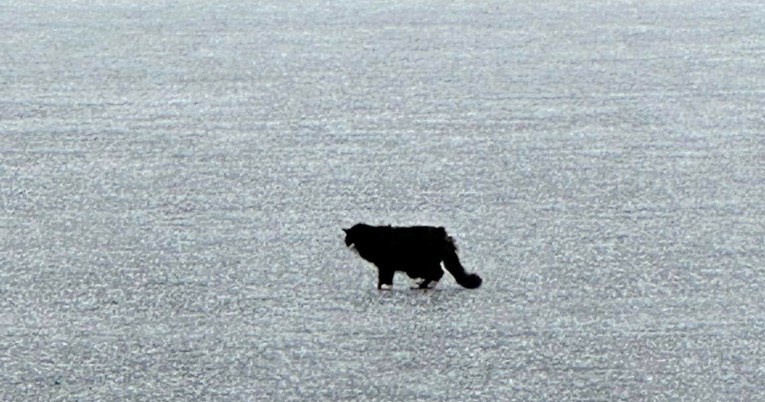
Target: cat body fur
417	251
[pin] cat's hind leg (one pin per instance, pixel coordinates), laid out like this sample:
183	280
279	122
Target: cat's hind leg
434	274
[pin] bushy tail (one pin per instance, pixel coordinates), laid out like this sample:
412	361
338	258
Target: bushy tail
452	264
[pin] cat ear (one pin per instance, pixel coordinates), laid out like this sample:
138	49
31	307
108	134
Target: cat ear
345	230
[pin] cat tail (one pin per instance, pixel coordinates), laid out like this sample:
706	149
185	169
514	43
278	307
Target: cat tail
452	264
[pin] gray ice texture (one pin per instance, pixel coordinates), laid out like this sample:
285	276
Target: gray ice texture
174	176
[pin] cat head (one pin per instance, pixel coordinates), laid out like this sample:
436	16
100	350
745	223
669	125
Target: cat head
355	234
349	237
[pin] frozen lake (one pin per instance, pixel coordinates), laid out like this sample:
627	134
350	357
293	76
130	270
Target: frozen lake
174	177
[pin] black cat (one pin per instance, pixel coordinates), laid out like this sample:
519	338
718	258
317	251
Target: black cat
418	251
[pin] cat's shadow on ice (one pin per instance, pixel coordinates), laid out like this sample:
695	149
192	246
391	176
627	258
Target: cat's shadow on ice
430	299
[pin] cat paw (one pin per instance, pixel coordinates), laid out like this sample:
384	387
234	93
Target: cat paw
385	287
418	282
426	285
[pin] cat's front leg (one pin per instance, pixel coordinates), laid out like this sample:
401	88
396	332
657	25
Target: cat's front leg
384	278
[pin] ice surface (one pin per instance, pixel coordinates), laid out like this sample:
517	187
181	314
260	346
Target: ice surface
174	177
